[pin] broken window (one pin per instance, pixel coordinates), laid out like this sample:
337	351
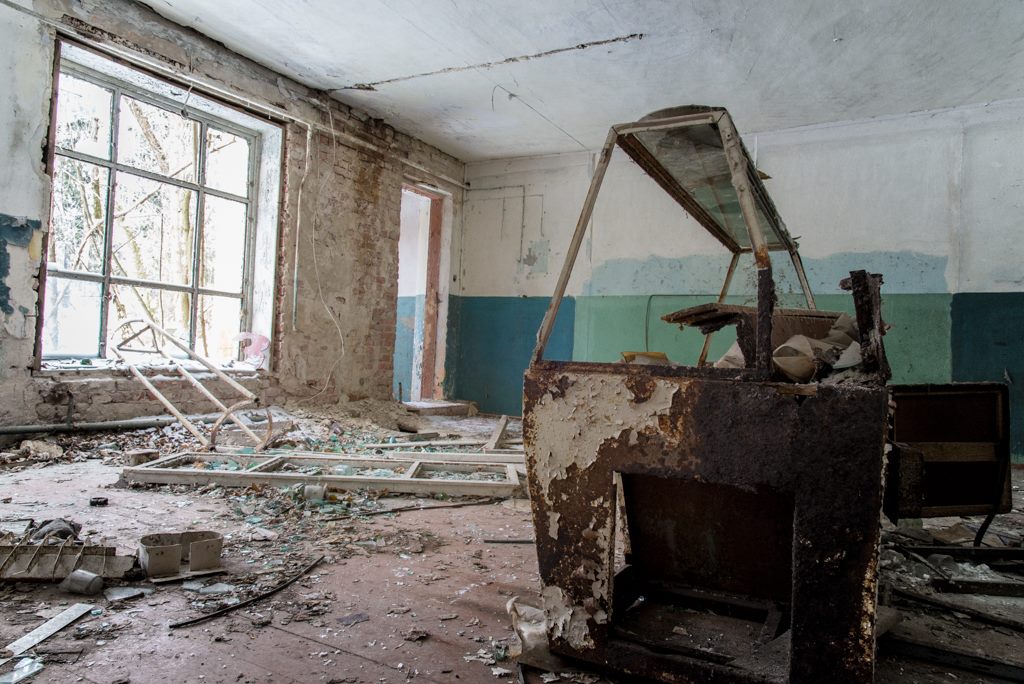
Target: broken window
153	217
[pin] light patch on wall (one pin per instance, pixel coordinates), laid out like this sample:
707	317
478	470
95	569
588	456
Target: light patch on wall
16	231
536	257
904	272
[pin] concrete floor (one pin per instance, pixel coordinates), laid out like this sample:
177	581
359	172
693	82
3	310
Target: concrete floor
428	566
457	575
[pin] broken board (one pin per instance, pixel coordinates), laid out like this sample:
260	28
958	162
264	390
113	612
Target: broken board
338	473
45	631
440	408
35	562
515	457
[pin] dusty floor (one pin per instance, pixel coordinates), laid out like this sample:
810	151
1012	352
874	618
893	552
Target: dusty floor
417	595
435	575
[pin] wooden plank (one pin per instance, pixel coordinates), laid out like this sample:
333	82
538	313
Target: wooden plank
336	482
958	607
498	436
981	554
168	461
46	630
956	451
954	511
951	656
497	456
435	443
984	587
268	465
186	575
512	473
438	408
431	301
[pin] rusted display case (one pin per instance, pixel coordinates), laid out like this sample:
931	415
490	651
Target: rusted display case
744	507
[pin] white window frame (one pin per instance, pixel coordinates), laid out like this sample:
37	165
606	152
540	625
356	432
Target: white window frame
121	87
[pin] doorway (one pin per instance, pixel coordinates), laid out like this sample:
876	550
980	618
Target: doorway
417	332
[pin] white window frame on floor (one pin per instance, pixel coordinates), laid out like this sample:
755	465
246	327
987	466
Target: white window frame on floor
106	279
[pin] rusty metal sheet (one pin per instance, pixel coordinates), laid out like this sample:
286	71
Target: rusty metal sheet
815	460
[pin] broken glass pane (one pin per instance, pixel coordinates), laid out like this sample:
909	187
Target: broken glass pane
695	157
78	215
157	140
83	116
218	324
227	162
223	245
72	323
154	230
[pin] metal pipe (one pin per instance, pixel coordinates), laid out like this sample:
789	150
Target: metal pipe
99	426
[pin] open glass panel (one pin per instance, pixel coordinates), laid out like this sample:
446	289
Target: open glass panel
695	158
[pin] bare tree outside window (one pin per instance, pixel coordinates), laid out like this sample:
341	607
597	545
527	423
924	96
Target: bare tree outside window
151	218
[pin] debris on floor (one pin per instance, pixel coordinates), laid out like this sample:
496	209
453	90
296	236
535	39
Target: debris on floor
410	581
52	551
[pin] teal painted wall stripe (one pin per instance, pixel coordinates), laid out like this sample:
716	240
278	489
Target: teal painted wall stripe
905	272
918	344
934	338
988	344
408	329
495	338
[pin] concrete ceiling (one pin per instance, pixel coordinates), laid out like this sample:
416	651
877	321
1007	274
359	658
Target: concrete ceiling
485	79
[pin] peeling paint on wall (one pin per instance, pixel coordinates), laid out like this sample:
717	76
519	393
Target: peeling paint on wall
16	231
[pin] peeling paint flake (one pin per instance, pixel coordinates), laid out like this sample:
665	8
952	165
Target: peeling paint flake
600	400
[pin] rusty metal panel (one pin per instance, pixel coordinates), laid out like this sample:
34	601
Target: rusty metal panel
820	450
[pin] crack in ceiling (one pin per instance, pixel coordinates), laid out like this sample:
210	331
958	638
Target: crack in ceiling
490	65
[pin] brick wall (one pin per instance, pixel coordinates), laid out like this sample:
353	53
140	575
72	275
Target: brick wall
338	341
93	396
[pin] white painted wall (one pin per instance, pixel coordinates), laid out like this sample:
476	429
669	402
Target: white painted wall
514	209
25	71
412	244
945	186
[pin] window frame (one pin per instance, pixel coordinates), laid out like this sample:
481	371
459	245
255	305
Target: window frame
119	88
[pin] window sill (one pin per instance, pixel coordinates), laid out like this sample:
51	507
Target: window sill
102	368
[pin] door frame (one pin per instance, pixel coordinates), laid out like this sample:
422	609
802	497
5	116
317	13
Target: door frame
430	388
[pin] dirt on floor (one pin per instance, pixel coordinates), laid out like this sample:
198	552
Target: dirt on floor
412	595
